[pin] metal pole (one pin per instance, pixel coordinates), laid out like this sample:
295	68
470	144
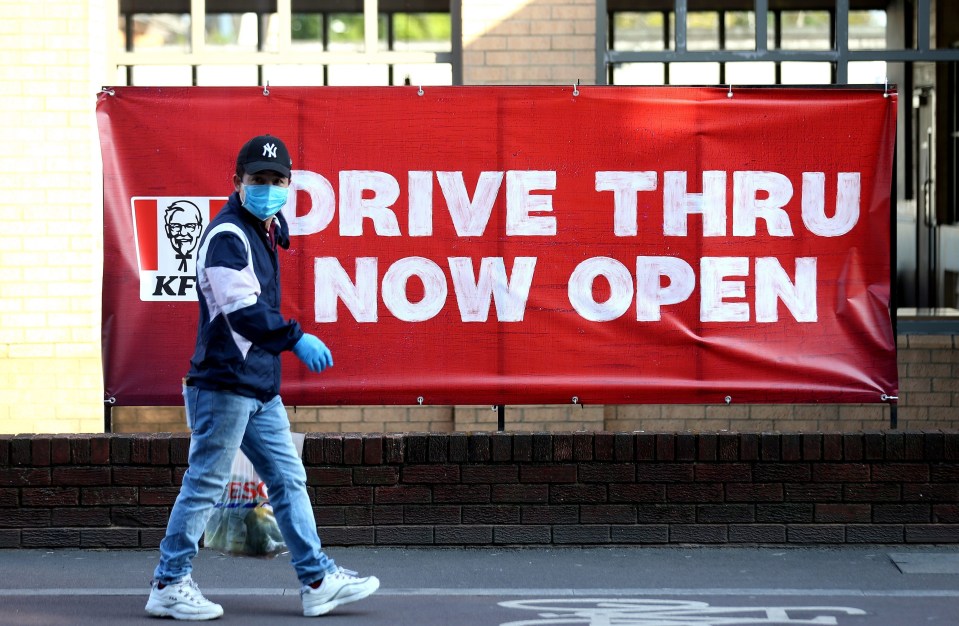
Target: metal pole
501	417
893	294
680	13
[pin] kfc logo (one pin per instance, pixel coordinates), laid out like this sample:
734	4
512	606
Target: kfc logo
183	226
167	232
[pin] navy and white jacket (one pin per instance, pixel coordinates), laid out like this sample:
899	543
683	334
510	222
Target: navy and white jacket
241	332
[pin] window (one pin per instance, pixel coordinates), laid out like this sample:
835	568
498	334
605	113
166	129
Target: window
297	42
823	42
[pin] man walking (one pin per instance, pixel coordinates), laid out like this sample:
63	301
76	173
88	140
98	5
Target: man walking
232	397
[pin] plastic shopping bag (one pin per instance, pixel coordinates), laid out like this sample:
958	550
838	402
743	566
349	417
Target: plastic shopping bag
243	522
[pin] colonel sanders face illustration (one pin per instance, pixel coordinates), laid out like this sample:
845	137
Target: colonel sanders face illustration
183	227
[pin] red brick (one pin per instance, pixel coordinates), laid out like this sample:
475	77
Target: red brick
900	472
604	446
140	449
80	449
812	446
562	446
82	476
832	447
478	447
771	447
547	474
20	449
520	493
708	447
577	494
93	496
749	447
871	492
40	451
401	494
352	449
935	492
852	447
694	492
791	447
140	516
664	472
840	472
552	514
333	449
637	493
665	447
523	447
623	447
723	472
685	447
80	516
754	492
728	447
607	472
142	476
489	474
24	477
433	514
160	449
542	447
393	449
121	449
100	449
607	514
430	474
438	448
645	447
384	475
109	538
345	495
156	496
583	446
501	447
50	496
459	447
60	450
329	476
843	513
5	449
50	538
373	449
462	494
490	514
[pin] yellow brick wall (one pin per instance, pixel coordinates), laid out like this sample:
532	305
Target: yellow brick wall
50	216
537	42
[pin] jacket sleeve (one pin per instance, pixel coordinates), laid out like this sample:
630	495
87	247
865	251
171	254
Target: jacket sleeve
232	280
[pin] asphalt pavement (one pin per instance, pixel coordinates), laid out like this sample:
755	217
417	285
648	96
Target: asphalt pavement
661	586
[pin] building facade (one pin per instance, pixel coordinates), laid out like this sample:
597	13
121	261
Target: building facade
57	54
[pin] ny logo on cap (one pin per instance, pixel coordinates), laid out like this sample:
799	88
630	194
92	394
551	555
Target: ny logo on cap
269	150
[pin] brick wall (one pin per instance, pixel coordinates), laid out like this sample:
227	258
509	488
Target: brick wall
50	225
454	489
538	42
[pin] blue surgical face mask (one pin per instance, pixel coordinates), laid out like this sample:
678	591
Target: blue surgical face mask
264	201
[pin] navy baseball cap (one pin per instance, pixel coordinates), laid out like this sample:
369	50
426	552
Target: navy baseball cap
264	152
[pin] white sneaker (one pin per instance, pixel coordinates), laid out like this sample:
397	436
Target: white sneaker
181	600
340	587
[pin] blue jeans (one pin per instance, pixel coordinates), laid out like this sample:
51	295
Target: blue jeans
221	422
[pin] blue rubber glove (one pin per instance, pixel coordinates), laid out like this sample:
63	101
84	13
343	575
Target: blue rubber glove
313	352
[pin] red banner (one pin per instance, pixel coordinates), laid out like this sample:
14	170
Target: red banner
523	245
